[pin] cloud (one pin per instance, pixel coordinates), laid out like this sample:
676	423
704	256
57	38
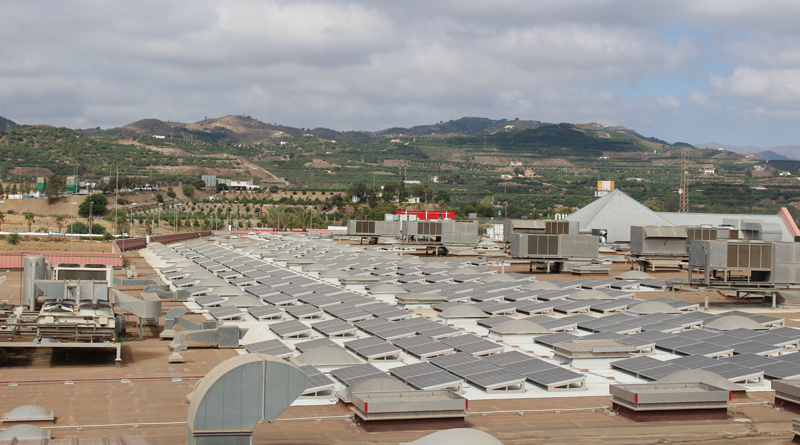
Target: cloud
369	65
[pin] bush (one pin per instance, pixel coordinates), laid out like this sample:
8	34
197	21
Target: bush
14	238
107	236
121	201
159	199
10	211
198	183
77	227
188	190
171	193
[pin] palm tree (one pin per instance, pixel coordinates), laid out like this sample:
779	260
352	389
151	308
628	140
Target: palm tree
305	218
59	222
30	219
2	219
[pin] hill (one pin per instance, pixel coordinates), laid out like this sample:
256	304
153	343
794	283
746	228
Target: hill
66	152
5	124
766	153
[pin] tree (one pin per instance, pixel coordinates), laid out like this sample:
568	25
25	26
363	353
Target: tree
171	193
198	183
29	219
357	189
2	219
442	197
98	203
14	239
188	190
518	171
56	186
59	222
159	199
121	201
514	211
305	218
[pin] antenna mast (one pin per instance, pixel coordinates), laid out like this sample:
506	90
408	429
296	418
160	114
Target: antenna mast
684	184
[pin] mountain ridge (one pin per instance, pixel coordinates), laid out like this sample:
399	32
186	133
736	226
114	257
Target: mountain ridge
784	152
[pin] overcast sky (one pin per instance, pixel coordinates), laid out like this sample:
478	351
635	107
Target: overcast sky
696	71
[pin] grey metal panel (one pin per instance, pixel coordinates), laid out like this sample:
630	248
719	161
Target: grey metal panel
605	212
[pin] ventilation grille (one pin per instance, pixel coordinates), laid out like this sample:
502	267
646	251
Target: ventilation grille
365	227
750	256
542	245
429	228
702	233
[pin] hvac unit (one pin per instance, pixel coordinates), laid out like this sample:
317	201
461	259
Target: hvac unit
658	241
514	226
562	227
546	246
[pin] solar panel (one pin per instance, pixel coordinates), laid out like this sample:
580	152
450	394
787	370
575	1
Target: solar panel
528	366
372	347
396	332
459	358
694	361
493	321
461	340
636	365
280	299
437	379
416	369
225	312
660	372
264	312
291	328
555	376
734	372
495	378
437	332
318	379
705	349
536	307
334	327
210	300
316	343
351	375
670	343
757	348
507	358
551	339
269	347
302	311
467	369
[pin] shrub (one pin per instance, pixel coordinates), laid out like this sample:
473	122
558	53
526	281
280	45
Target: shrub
188	190
159	199
14	238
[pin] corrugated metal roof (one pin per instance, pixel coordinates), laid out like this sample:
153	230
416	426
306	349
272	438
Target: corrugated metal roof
617	212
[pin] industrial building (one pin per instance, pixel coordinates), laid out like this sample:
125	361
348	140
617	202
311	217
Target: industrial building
358	327
604	214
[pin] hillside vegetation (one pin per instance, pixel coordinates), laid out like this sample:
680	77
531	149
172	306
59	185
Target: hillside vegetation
536	168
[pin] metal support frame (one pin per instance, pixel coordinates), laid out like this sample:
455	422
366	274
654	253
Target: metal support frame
117	346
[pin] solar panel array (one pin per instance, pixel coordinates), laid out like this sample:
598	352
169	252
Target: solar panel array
734	354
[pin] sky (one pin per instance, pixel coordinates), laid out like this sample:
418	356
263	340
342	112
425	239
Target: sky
693	71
